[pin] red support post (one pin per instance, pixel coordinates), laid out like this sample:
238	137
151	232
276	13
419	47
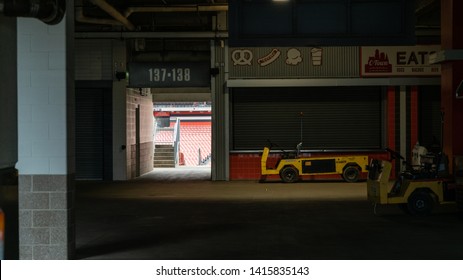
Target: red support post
451	76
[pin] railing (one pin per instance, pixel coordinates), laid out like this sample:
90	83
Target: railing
206	160
176	141
203	161
160	105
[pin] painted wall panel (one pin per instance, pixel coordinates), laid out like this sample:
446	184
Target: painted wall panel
93	60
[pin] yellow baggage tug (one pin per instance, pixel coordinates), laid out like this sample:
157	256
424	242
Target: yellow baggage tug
291	167
416	190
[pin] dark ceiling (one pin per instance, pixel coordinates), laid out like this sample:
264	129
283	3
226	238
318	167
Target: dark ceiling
148	15
200	16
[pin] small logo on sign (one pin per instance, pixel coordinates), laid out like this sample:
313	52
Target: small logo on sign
379	63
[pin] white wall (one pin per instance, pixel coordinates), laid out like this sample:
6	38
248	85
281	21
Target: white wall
41	97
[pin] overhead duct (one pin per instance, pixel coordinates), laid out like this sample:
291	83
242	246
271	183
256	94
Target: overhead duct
48	11
122	18
80	17
178	9
114	13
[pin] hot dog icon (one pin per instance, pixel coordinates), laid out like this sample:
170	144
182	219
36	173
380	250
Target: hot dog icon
269	58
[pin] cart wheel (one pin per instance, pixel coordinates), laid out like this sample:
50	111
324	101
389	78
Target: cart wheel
289	174
420	203
351	174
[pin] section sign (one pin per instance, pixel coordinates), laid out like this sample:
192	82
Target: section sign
169	74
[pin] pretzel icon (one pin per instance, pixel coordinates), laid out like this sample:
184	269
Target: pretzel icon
242	57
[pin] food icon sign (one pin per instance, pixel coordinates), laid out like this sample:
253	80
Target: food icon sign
316	56
293	57
242	57
269	58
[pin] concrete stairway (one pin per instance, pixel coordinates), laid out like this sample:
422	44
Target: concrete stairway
163	156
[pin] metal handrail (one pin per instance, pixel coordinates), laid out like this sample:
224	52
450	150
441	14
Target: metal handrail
176	141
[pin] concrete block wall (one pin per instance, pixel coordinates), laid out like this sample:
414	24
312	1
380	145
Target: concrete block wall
146	159
145	103
45	203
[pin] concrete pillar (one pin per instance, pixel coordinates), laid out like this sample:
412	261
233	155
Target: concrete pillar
451	75
46	138
121	168
220	115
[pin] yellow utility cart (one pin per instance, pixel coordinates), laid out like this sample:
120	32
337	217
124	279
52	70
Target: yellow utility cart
416	190
290	168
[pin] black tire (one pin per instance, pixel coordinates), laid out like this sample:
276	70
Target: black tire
420	203
351	174
289	174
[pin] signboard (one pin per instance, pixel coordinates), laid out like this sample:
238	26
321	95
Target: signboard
169	74
381	61
293	62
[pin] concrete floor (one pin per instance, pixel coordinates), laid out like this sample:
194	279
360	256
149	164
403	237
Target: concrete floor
164	216
179	213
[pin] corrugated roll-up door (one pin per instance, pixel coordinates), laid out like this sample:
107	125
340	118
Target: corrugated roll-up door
89	134
430	117
324	117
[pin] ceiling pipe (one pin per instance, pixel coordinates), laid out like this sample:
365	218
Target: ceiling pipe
114	13
179	9
157	35
48	11
80	17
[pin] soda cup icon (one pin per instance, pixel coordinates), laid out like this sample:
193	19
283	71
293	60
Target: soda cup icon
316	54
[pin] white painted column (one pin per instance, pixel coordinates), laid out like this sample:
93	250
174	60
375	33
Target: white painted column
46	139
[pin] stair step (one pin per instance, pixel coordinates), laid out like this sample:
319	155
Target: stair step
163	156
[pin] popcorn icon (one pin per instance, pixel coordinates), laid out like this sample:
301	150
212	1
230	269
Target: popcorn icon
293	57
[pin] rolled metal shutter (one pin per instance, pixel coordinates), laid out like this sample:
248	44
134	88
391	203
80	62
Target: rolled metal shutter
322	117
89	134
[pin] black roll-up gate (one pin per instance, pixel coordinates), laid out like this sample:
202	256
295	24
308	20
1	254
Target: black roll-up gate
322	117
93	134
